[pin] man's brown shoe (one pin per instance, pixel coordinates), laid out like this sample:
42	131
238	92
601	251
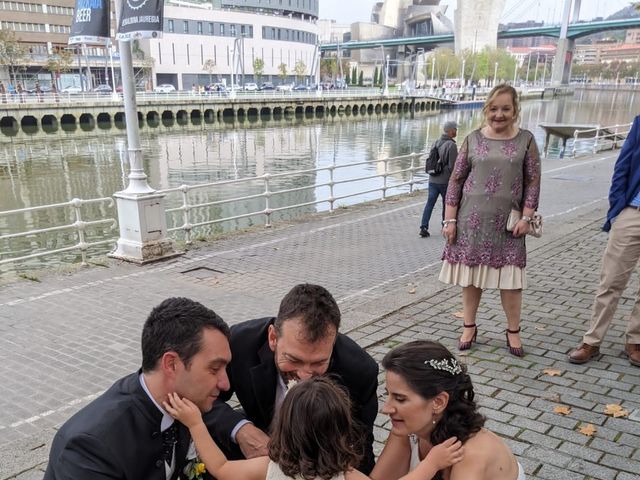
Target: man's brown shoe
584	353
633	353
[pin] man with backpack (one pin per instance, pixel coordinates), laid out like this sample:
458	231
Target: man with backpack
439	166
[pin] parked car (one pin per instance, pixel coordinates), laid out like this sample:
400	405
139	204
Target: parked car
71	90
102	88
286	87
250	87
165	88
267	86
43	89
302	88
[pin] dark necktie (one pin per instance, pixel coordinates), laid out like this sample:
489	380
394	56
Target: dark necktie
169	438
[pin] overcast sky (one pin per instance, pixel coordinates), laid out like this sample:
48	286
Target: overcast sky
348	11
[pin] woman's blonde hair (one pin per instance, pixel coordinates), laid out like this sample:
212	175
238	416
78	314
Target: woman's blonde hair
499	90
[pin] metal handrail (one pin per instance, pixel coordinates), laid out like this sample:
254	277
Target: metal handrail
267	193
605	137
79	226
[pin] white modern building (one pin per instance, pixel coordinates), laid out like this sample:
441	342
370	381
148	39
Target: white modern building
476	24
205	42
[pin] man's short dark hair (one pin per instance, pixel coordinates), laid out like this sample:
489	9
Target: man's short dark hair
314	306
177	325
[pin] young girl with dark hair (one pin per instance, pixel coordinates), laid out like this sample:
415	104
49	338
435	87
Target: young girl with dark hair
430	399
313	438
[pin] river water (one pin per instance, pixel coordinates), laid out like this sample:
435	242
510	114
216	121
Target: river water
52	168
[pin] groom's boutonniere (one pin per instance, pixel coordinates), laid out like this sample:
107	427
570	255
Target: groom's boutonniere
195	468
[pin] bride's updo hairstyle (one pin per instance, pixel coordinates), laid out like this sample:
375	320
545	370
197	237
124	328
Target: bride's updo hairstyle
429	368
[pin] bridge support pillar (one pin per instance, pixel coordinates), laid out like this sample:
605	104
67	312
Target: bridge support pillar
561	73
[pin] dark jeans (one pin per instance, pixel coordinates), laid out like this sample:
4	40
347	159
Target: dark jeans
435	190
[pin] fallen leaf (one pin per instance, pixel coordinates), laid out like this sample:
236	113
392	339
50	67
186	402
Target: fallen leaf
459	314
412	290
551	372
562	410
540	328
615	410
587	430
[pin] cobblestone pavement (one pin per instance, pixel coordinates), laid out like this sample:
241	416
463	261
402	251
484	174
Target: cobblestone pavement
65	339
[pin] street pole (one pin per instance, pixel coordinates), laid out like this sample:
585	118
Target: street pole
462	73
141	214
544	72
433	71
515	74
114	94
385	91
495	73
528	65
535	75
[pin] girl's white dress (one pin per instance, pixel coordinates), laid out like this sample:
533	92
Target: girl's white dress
415	458
274	473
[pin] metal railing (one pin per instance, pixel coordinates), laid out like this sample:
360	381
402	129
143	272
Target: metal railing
386	171
266	195
594	140
38	237
87	97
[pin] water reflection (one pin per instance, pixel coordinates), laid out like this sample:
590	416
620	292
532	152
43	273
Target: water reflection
46	169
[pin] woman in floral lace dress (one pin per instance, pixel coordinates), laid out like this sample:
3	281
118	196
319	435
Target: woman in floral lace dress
497	170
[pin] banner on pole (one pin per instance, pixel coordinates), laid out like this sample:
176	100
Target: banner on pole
140	19
90	22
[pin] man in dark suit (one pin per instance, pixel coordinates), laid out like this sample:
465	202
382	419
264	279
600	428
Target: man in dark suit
301	342
125	433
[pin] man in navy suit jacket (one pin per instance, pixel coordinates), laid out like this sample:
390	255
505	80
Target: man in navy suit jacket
125	433
301	342
621	256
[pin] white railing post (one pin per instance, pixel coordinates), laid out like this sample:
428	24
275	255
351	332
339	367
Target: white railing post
384	181
595	141
413	163
615	137
79	225
186	217
267	200
331	184
575	140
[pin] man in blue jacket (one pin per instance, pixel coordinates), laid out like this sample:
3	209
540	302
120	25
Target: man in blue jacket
621	256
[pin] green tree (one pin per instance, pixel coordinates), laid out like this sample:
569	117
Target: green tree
12	53
300	70
347	79
209	66
282	71
354	75
328	68
60	62
375	77
361	78
258	69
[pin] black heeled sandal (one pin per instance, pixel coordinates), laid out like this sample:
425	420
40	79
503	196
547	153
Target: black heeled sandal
467	345
515	351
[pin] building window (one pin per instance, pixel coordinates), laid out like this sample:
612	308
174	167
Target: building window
185	26
170	26
222	29
210	28
242	30
199	28
232	30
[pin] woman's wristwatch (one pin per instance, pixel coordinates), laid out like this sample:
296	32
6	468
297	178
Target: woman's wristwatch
526	218
447	222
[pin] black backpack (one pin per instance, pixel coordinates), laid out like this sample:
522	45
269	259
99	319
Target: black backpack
434	164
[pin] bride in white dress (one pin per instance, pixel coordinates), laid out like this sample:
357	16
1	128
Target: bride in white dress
431	399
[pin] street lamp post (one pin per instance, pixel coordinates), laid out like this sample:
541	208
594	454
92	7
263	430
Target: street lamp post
535	75
544	71
495	73
464	61
433	71
385	91
515	74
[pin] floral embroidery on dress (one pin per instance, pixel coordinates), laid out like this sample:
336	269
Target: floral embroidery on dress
500	222
474	221
482	149
493	183
510	149
469	184
516	188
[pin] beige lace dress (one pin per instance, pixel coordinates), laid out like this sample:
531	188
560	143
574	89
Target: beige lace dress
274	473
